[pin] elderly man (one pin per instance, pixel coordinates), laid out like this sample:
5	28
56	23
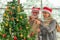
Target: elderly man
33	21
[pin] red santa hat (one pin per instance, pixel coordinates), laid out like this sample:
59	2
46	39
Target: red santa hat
35	10
47	9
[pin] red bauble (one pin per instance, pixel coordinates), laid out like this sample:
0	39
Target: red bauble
32	33
15	38
4	35
24	38
10	13
20	28
12	19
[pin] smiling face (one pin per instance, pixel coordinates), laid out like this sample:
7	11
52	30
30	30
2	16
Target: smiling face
45	14
35	13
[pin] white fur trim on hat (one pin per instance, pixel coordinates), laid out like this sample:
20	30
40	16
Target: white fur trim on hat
46	11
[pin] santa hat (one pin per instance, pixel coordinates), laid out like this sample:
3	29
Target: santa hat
35	10
47	9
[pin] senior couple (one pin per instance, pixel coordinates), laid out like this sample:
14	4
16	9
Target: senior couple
46	28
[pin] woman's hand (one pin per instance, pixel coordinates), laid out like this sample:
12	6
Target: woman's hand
37	21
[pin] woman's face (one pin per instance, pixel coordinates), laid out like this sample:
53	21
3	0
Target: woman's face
45	14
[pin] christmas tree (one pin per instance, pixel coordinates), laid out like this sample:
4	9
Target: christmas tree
15	25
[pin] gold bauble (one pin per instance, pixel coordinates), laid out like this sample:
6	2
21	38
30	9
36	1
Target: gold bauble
21	35
28	36
7	8
7	39
7	19
6	24
10	30
17	20
12	18
13	7
4	14
27	27
7	16
18	8
28	22
0	33
21	17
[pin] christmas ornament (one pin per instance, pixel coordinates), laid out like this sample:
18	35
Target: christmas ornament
10	13
24	38
21	35
7	39
28	36
10	30
4	14
20	28
13	7
17	20
32	34
0	33
12	34
7	16
7	9
28	22
12	18
21	17
18	8
15	38
6	24
4	35
7	19
27	27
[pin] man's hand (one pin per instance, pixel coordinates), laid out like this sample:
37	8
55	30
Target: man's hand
38	30
32	18
37	21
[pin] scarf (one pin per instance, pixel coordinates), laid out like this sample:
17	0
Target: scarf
47	21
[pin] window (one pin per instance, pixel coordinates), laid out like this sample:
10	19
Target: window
28	4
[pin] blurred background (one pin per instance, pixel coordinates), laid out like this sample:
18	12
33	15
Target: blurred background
28	4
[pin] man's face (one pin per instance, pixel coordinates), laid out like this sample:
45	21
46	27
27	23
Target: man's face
35	13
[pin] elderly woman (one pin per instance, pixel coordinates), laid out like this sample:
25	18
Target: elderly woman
48	25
